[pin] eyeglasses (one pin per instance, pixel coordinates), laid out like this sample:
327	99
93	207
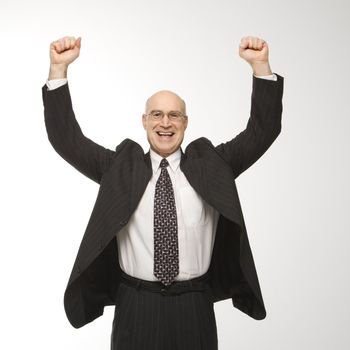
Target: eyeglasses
172	115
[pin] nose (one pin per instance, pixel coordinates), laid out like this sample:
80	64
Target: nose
165	120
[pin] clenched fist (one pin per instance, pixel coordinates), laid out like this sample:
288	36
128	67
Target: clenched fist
256	52
65	50
62	53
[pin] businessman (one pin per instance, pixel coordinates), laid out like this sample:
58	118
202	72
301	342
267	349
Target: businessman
166	238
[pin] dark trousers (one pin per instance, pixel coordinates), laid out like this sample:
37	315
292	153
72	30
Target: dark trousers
151	316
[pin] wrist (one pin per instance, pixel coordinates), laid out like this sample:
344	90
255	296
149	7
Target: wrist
261	68
58	71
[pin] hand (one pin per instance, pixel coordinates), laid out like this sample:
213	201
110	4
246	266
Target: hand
62	53
65	50
256	52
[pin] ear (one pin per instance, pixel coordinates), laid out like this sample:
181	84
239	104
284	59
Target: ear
186	122
144	120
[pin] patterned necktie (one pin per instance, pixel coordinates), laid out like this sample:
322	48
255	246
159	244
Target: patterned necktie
166	252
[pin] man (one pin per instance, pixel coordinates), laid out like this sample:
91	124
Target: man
166	238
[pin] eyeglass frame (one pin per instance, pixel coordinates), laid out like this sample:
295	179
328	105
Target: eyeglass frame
182	116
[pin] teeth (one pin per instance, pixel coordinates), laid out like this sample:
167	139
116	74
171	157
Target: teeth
165	133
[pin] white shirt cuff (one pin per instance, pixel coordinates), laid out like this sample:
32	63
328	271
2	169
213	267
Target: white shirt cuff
55	83
273	76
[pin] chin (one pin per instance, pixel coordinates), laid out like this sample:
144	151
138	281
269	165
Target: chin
165	151
165	148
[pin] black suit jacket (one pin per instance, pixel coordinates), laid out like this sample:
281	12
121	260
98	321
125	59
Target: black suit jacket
123	175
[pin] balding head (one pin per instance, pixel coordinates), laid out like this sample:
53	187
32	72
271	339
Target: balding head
165	100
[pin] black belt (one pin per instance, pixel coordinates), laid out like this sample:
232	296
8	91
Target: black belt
199	283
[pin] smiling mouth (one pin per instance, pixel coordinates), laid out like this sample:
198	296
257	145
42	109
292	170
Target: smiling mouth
165	133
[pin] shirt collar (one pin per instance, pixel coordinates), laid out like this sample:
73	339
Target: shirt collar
173	159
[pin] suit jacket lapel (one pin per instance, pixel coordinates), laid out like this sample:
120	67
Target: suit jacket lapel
142	173
194	170
214	181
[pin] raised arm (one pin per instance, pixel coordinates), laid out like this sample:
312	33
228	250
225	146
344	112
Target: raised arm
264	124
63	130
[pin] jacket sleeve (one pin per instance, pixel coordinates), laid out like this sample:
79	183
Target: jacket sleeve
263	127
67	139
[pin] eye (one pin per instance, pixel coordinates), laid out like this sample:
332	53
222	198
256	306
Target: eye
175	115
156	114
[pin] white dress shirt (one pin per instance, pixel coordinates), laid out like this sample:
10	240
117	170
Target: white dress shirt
197	222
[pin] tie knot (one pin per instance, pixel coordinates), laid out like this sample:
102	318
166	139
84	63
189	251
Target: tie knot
164	163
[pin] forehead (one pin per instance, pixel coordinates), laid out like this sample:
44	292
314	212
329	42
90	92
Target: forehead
165	100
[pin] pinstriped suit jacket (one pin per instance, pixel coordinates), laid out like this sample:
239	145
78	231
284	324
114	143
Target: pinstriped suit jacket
123	175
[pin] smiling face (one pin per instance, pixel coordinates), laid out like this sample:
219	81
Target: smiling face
165	136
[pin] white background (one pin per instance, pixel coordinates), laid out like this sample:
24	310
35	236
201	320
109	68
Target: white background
295	199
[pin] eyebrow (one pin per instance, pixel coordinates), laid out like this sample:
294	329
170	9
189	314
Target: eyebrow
159	110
